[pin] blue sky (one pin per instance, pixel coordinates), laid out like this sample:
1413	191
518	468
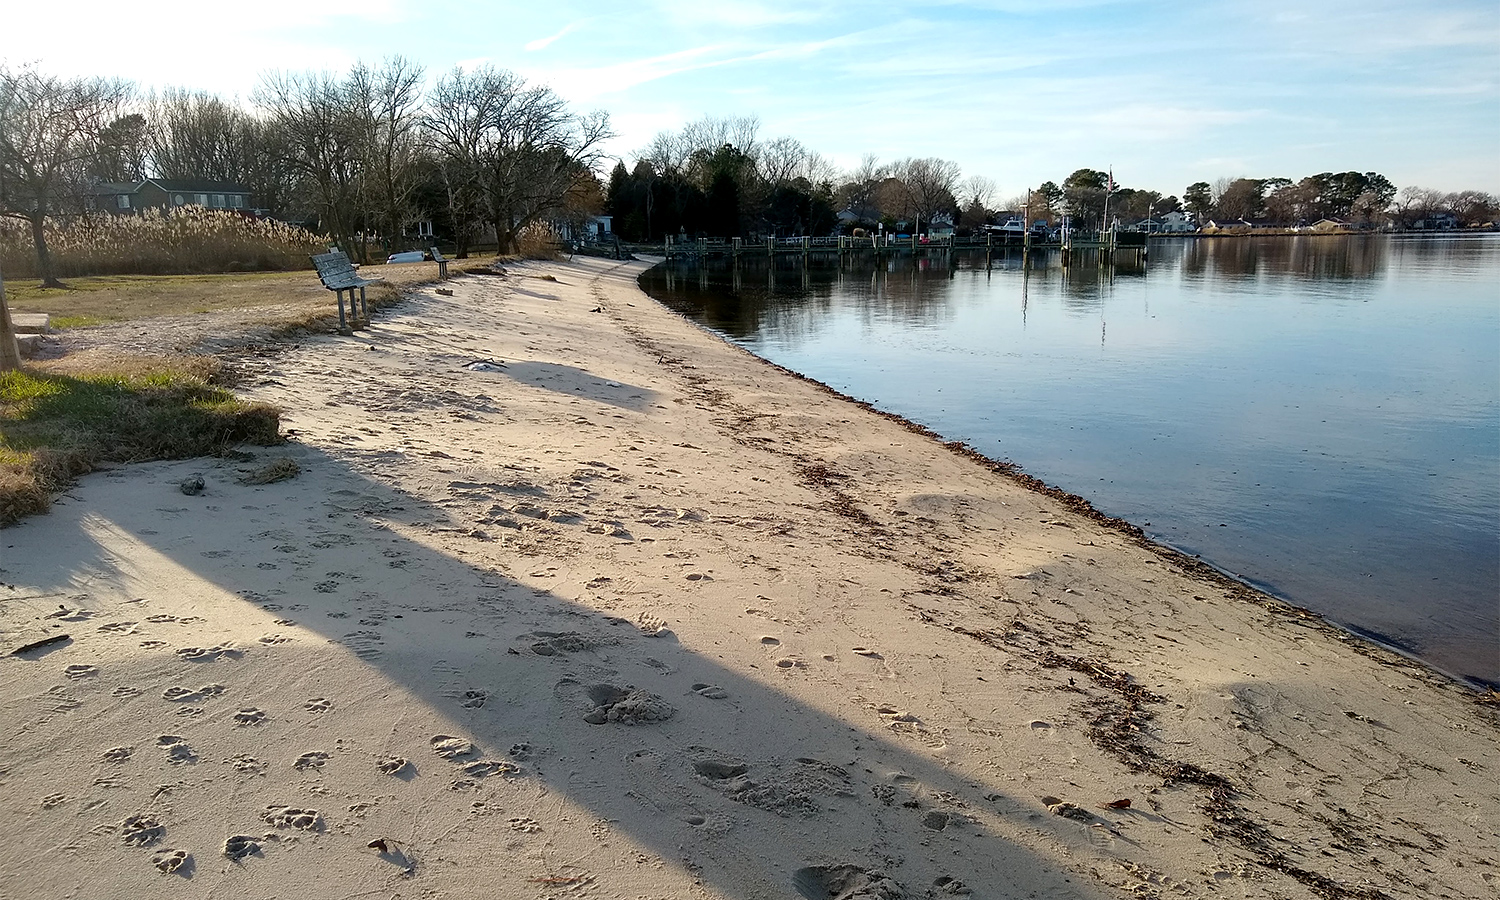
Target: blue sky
1020	91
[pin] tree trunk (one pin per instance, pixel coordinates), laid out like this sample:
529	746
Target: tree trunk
43	255
10	354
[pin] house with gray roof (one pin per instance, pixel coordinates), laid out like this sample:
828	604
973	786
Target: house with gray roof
153	193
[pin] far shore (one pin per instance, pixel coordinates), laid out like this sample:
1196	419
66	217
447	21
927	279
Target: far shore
569	597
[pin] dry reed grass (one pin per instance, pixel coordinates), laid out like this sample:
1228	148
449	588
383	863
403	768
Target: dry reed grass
538	241
182	241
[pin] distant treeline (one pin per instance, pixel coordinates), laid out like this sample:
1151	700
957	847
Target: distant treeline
360	157
717	177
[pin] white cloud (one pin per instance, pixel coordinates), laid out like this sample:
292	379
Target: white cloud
544	43
584	84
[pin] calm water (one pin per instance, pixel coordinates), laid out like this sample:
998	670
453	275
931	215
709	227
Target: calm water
1318	415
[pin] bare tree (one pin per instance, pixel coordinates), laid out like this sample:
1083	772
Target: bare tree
929	184
976	195
198	135
782	160
49	132
10	354
857	193
976	190
673	152
195	135
388	103
819	170
517	145
325	143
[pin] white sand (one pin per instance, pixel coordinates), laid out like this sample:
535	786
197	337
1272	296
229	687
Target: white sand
831	658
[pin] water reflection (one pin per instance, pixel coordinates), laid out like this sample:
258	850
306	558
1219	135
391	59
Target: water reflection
744	297
1307	257
1318	414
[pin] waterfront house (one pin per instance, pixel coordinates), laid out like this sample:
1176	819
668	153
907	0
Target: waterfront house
590	230
1325	226
1168	223
1437	221
155	193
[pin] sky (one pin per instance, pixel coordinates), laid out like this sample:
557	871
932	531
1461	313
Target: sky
1019	91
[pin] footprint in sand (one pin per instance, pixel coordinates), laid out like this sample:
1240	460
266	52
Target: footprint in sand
844	882
318	705
525	825
181	694
951	886
364	644
551	643
246	764
711	691
521	751
208	654
170	861
177	749
287	623
125	690
142	830
118	754
120	627
250	715
312	759
152	645
240	846
651	626
80	671
473	699
453	748
936	820
770	641
160	618
293	817
484	768
53	801
625	705
273	639
392	765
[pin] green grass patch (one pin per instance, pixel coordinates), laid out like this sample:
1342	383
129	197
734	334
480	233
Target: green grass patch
56	426
74	321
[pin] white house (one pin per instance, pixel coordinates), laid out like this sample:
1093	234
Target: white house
1170	223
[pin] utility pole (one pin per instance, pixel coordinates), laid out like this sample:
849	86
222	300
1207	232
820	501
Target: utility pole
1026	226
1109	187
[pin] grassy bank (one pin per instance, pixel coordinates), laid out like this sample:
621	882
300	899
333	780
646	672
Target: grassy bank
63	418
57	424
287	297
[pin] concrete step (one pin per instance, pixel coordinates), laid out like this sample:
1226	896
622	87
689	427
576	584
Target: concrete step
30	323
28	344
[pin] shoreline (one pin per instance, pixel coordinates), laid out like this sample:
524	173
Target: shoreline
1188	562
823	657
1469	664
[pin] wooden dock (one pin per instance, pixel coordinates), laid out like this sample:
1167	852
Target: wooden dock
1100	247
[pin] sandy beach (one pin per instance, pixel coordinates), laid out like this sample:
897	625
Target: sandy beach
571	599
